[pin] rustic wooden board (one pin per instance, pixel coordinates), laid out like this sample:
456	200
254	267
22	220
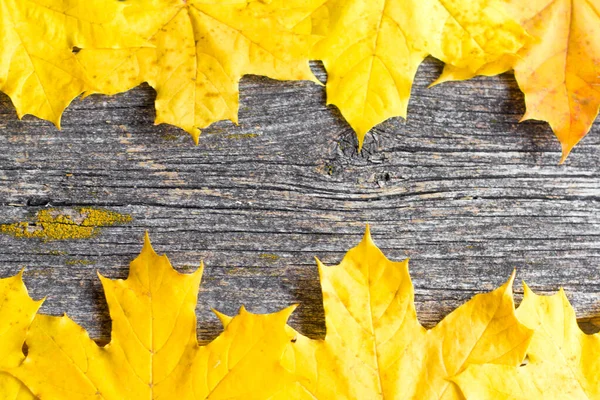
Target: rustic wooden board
461	188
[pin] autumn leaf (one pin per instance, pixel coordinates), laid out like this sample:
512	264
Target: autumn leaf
375	348
202	50
17	311
372	49
38	69
563	361
559	70
154	352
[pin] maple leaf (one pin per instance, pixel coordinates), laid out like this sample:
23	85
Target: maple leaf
17	311
154	352
202	49
372	49
38	69
559	70
562	363
375	347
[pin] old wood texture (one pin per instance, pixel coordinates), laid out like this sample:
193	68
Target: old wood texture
461	188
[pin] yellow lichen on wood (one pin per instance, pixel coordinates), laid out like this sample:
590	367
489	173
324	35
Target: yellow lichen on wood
79	262
55	224
269	256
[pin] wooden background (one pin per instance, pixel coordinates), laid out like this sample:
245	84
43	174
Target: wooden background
461	188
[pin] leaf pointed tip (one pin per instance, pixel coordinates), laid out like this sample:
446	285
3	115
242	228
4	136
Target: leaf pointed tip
56	122
360	137
289	310
196	137
367	239
147	247
224	318
566	150
20	282
284	315
367	234
513	275
441	79
511	279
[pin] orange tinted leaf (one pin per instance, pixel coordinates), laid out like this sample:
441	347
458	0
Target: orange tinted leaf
559	69
201	49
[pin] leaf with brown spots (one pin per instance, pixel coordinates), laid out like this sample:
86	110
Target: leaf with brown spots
201	51
38	69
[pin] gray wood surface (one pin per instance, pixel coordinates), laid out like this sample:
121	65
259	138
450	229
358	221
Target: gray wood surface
461	188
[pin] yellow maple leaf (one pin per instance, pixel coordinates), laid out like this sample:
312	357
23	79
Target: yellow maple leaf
372	49
17	311
202	49
559	70
154	352
375	348
563	361
38	69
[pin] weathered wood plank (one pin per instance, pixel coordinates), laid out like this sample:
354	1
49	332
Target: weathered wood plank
461	188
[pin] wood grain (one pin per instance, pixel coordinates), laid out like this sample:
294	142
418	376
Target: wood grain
461	188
